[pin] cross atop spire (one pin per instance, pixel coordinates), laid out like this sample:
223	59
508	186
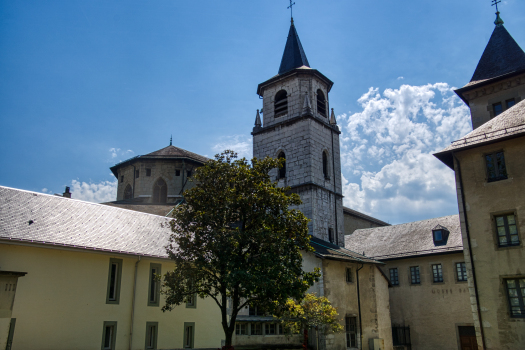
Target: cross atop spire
495	3
291	10
171	139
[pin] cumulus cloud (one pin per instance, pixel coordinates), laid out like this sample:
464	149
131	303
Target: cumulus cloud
241	144
386	152
104	191
119	153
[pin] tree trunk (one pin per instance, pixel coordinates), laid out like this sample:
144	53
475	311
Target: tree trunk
305	339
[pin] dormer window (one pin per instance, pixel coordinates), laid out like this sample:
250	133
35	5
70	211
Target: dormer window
321	103
440	235
281	104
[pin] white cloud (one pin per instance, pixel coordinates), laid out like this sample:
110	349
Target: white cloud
386	152
117	152
45	190
241	144
104	191
400	78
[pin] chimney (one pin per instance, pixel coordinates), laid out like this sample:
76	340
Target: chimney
67	194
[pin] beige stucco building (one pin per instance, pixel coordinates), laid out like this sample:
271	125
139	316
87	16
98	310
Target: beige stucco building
489	167
429	299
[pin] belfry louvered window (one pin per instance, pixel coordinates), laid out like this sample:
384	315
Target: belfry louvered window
281	104
160	191
321	103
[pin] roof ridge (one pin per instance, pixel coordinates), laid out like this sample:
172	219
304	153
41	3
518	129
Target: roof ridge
76	200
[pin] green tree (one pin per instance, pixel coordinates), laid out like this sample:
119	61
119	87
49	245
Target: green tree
310	312
235	240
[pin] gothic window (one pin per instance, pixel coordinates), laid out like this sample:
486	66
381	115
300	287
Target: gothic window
282	170
325	165
160	191
128	192
321	103
281	104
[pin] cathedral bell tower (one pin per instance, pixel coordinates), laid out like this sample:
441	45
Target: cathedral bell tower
297	125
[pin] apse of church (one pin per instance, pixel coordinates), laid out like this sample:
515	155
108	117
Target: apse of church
297	125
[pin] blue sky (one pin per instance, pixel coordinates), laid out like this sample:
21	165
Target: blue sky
85	84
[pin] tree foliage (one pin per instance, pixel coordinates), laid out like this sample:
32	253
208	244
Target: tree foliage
310	312
236	241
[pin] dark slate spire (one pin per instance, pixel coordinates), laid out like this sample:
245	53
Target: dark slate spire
501	56
293	56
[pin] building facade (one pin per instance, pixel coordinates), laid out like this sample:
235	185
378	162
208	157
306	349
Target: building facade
489	167
429	298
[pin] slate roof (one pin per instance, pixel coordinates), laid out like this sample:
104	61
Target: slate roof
508	124
327	250
39	218
293	56
502	56
406	240
364	216
170	152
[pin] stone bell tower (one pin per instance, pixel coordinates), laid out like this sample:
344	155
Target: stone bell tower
297	126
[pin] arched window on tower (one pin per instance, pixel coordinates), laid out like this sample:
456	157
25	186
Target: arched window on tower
282	170
281	104
321	103
325	165
160	191
128	192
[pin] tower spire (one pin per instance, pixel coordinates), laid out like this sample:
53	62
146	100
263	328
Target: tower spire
293	56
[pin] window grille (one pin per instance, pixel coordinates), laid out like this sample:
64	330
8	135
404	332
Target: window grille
461	271
496	169
415	278
394	277
437	272
516	296
351	332
507	230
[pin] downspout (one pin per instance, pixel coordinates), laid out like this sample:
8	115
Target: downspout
467	232
359	307
133	303
335	196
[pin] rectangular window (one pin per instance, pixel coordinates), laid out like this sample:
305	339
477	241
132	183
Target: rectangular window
114	276
188	173
516	295
510	103
240	329
137	173
437	272
394	277
122	179
109	334
189	335
349	274
148	172
255	311
177	172
496	169
152	329
498	108
507	230
154	284
256	329
192	303
351	332
414	275
331	235
461	271
270	328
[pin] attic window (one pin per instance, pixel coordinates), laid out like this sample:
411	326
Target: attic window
440	235
281	104
510	103
498	108
321	103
